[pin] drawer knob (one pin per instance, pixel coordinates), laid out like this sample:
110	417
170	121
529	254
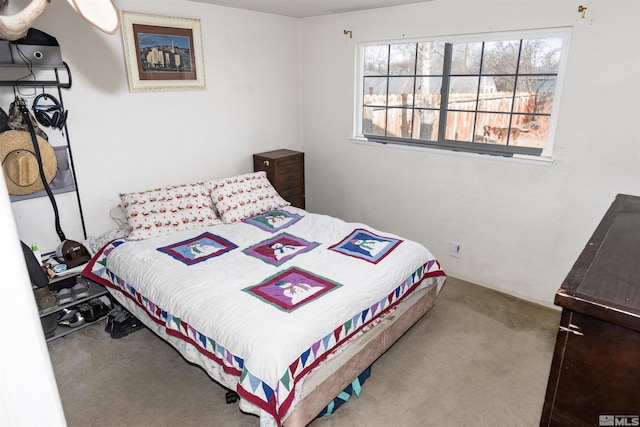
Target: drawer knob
290	184
289	168
289	176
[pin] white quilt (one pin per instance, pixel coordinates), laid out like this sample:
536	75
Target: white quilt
239	300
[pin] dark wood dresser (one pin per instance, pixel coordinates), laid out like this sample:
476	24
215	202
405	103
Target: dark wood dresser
285	171
595	373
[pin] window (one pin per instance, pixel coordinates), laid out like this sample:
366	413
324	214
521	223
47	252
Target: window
494	96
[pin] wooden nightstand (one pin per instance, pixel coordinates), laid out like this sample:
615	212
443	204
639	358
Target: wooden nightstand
285	171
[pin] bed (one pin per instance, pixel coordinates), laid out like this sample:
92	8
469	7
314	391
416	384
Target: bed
283	306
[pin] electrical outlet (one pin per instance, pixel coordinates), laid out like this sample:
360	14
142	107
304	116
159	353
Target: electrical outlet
455	249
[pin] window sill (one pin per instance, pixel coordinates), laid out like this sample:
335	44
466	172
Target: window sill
516	158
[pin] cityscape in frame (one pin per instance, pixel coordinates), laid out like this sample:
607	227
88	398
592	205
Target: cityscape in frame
162	52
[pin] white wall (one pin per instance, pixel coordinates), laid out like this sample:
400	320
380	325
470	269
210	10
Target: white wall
126	141
28	394
521	226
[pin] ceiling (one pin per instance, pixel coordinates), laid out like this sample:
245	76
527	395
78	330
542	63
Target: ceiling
307	8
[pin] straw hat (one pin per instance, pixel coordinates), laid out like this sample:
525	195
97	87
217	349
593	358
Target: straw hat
20	165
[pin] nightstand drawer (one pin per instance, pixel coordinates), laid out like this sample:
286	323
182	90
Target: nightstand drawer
288	181
289	166
286	193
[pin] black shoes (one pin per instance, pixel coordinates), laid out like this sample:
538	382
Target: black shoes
81	314
71	318
121	323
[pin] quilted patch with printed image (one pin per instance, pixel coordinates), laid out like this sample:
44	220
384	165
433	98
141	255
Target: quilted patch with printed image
279	249
366	245
292	288
274	220
199	249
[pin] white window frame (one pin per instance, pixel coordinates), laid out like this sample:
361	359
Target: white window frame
564	32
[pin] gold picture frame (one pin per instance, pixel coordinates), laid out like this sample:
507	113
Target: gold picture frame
162	52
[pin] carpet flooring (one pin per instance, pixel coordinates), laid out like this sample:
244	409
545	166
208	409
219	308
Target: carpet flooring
478	358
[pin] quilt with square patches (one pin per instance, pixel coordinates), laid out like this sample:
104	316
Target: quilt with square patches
290	289
265	324
198	249
366	245
279	249
274	220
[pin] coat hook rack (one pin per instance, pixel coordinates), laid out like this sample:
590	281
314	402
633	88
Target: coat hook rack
583	10
345	32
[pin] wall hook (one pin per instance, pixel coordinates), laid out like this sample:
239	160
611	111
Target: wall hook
583	10
345	32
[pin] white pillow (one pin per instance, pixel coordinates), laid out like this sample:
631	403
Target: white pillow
167	210
243	196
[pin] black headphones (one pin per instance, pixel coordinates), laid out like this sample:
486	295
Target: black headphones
51	114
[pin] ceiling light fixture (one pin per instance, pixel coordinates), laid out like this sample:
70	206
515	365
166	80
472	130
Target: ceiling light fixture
102	14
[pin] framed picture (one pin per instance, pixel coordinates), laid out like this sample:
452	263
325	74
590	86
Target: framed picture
162	52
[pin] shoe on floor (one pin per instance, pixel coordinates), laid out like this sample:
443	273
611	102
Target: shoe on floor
125	327
117	314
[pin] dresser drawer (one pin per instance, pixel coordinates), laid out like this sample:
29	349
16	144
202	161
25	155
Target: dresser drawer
285	171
